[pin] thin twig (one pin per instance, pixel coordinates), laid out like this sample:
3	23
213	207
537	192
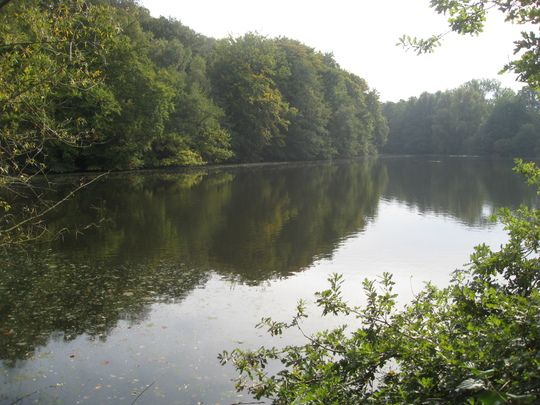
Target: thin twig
32	393
247	403
142	392
52	207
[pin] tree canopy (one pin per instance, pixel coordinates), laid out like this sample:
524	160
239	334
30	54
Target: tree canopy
149	92
478	118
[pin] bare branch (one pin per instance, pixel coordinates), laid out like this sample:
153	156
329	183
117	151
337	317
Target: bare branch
52	207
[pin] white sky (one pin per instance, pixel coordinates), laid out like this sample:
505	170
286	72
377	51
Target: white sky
362	35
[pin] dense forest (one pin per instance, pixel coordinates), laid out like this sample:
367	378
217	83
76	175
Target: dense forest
478	118
101	84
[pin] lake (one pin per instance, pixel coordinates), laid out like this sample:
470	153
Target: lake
154	273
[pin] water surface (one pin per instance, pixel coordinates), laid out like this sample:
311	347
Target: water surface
157	272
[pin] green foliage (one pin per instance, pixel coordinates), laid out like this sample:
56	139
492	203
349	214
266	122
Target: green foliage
52	95
245	71
468	18
285	101
476	341
138	91
307	135
479	117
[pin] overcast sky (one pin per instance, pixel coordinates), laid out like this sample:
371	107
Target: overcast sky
362	35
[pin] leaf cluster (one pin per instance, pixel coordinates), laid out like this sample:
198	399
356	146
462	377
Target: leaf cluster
468	17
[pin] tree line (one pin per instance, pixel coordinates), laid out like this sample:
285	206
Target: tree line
479	118
101	84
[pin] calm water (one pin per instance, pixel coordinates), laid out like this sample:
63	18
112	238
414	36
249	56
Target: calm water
183	264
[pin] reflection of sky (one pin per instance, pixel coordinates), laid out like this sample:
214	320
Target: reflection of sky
415	247
177	344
